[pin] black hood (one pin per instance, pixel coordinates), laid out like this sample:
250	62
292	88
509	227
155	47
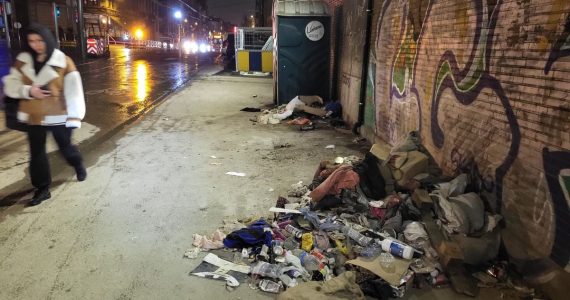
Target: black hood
46	35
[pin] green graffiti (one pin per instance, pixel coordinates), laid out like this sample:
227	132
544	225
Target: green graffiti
403	70
476	70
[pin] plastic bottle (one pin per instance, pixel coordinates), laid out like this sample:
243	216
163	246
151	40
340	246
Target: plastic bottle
270	286
355	235
372	251
397	248
321	257
308	261
277	246
266	270
291	244
387	262
294	231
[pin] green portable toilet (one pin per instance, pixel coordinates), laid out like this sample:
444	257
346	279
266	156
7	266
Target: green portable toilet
303	33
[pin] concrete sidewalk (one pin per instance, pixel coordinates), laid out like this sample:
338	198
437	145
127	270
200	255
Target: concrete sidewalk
123	232
14	154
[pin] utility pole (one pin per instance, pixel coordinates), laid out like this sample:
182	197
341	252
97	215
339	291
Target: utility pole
81	29
54	10
5	15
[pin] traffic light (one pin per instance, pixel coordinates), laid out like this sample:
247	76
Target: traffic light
57	11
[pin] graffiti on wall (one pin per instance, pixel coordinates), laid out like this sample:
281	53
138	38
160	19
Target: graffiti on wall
467	84
425	85
561	47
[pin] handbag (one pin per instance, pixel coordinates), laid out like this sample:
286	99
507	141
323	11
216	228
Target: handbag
11	107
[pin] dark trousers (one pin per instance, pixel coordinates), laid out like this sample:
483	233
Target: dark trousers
39	164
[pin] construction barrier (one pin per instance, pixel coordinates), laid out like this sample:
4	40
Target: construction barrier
254	61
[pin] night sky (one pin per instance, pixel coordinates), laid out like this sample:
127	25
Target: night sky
231	10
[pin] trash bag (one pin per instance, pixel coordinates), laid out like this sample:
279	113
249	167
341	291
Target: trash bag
473	208
372	183
409	143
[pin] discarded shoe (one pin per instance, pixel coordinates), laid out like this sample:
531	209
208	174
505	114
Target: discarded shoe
40	196
81	173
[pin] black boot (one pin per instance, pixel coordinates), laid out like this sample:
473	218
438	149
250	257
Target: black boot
81	173
40	196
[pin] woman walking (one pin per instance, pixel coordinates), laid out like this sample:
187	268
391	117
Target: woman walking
51	100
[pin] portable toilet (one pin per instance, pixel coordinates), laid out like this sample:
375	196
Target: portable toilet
303	35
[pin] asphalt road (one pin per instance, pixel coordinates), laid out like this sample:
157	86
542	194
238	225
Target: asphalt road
124	85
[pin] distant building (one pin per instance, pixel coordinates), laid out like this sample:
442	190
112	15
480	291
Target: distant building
118	18
263	10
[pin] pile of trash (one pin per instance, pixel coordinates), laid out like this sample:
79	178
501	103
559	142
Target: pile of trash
374	226
305	109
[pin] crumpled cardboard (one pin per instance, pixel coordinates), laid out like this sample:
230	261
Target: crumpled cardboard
374	266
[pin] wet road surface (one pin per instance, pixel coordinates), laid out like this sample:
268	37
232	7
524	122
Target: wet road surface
124	85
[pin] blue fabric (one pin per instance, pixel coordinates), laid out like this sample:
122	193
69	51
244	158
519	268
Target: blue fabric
335	107
253	236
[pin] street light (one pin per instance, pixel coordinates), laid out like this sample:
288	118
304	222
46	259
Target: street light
178	16
139	34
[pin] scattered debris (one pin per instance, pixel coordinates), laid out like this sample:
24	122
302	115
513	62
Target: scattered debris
215	241
359	140
192	253
298	189
251	109
235	174
230	280
364	226
299	121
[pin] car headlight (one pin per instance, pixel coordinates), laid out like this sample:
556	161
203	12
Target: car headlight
203	48
187	46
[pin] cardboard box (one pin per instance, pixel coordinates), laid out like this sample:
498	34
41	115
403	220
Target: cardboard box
449	252
422	200
312	110
310	100
408	165
381	151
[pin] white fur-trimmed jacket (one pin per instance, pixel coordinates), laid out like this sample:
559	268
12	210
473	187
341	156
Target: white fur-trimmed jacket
65	105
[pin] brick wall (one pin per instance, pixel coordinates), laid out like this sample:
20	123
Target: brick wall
487	83
352	38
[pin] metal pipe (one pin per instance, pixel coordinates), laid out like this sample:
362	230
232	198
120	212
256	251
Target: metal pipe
366	64
54	9
81	29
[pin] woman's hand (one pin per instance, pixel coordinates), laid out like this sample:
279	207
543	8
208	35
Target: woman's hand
37	93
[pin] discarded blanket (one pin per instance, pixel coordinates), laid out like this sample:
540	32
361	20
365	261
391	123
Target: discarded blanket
342	178
342	287
256	234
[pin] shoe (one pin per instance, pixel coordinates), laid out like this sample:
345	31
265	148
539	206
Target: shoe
40	196
81	173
